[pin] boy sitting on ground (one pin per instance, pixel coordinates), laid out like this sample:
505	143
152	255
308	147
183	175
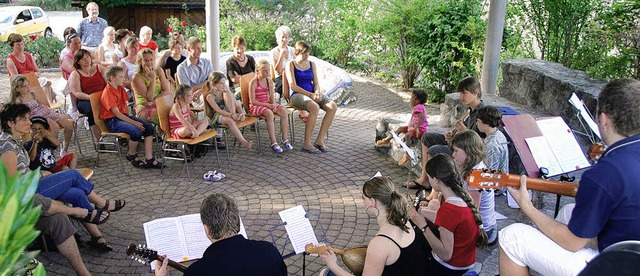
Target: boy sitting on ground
116	115
42	148
417	125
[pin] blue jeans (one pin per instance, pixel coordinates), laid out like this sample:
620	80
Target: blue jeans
84	107
116	125
67	186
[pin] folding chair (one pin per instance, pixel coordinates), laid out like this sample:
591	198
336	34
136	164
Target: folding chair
106	134
163	105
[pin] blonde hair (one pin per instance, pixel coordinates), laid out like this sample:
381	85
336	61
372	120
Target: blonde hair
261	65
237	41
16	83
144	30
105	34
140	56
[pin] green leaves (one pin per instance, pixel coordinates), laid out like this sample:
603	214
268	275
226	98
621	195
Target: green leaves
17	220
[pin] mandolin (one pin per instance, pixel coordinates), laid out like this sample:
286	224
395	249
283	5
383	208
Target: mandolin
596	150
463	117
487	179
352	258
145	255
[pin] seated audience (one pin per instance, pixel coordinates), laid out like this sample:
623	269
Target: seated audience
121	38
21	62
195	70
145	41
107	48
180	121
469	152
397	248
229	251
606	206
67	63
281	55
305	95
68	186
262	103
170	59
20	93
239	64
85	80
148	84
115	114
222	108
495	142
42	148
128	63
67	31
459	226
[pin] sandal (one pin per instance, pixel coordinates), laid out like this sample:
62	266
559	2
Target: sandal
311	151
411	184
96	219
135	161
102	246
276	148
152	164
287	145
120	203
321	148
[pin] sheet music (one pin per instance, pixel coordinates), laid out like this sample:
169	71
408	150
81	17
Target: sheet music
563	144
543	155
298	228
378	174
163	236
243	231
195	238
584	113
406	149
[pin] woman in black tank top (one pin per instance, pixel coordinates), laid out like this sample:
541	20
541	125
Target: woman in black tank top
398	248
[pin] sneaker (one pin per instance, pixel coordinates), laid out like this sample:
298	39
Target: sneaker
276	148
287	145
86	123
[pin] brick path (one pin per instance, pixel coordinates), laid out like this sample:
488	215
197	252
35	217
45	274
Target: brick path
262	185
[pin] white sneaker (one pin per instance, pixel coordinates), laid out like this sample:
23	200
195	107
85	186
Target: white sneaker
62	151
86	123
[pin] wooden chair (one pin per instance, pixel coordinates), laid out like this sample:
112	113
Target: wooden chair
106	134
244	88
34	84
163	105
241	125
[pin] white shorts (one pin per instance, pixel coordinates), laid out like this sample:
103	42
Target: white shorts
528	247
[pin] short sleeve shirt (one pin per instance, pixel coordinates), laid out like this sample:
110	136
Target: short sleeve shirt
45	155
113	97
419	111
274	53
192	74
7	143
497	152
90	32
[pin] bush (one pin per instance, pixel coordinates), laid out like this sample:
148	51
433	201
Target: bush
45	51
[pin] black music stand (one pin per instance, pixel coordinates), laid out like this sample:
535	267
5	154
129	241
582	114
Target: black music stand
312	216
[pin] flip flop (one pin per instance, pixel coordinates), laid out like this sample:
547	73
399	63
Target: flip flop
323	149
208	176
315	151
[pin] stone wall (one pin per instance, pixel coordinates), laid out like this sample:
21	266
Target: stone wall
547	86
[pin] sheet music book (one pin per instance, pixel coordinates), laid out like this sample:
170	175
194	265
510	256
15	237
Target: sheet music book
181	238
406	149
584	113
298	228
557	149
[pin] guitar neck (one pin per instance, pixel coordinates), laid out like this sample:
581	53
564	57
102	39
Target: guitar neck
543	185
178	266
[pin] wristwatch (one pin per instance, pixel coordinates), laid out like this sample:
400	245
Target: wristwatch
424	229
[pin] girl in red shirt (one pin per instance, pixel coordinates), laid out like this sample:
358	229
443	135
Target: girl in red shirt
457	220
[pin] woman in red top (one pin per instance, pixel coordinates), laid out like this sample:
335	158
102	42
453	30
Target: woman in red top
459	229
21	62
87	79
145	41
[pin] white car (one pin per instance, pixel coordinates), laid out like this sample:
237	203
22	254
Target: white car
23	20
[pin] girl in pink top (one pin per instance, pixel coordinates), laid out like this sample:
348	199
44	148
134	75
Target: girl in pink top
262	104
180	122
417	125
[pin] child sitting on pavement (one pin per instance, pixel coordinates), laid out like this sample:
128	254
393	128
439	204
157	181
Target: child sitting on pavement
180	121
116	115
417	125
42	148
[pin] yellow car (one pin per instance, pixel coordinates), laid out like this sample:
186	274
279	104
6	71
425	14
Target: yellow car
24	20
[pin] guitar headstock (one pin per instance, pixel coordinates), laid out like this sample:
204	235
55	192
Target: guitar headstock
316	249
141	253
487	179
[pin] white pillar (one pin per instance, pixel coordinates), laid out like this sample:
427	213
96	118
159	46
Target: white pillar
212	9
495	28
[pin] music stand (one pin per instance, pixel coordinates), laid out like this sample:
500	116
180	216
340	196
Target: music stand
312	216
410	153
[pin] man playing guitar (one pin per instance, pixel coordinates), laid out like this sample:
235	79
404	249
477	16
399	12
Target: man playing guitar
606	205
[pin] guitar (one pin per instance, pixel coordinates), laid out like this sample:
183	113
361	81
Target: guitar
353	258
145	255
460	120
596	150
486	179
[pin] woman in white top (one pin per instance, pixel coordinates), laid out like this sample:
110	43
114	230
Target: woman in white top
107	48
128	63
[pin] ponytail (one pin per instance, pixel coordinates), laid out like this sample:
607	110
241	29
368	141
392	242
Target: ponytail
383	190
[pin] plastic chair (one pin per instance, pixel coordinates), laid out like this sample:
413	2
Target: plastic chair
164	105
106	134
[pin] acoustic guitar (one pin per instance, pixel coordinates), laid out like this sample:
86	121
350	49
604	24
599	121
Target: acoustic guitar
353	258
145	255
487	179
